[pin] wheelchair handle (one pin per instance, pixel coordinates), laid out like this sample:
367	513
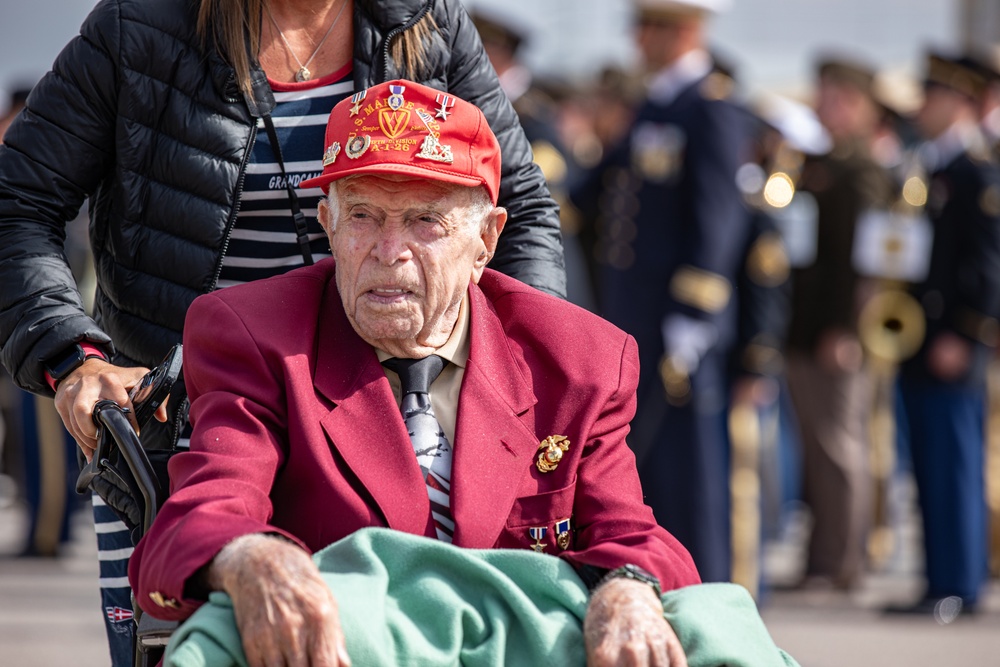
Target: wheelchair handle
98	461
114	426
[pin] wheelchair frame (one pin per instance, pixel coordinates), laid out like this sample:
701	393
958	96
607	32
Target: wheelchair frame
115	431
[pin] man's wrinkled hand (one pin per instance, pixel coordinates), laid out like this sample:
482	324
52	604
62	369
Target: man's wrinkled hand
285	612
624	627
93	381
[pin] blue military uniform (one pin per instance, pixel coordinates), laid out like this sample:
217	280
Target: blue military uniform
945	415
671	224
946	419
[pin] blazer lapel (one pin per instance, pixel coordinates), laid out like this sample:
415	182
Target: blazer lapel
365	425
493	446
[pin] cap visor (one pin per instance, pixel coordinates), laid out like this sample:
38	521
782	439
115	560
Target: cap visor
429	172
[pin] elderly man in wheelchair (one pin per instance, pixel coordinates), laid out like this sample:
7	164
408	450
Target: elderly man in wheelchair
400	456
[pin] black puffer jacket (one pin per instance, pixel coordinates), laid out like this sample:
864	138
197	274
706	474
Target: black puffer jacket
137	117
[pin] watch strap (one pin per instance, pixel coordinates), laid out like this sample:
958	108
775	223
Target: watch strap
72	359
635	573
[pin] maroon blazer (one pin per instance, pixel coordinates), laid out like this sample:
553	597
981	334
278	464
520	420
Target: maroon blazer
296	432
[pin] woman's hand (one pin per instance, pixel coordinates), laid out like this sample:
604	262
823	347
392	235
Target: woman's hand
284	610
625	627
93	381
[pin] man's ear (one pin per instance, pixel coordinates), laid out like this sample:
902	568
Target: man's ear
324	215
495	221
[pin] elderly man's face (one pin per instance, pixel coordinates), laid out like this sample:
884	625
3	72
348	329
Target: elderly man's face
406	250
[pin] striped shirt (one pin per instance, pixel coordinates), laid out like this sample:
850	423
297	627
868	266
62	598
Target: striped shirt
262	243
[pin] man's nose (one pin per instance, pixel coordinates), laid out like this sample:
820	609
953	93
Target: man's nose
391	247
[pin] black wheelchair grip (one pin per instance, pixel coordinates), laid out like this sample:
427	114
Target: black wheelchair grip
113	420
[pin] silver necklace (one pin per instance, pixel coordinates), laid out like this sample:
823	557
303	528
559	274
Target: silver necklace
304	74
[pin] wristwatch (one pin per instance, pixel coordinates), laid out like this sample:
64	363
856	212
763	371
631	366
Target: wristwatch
63	364
634	572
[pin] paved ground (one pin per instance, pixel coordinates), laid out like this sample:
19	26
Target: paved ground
837	630
50	616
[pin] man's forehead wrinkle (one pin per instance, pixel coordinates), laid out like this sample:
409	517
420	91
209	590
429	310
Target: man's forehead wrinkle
432	206
441	203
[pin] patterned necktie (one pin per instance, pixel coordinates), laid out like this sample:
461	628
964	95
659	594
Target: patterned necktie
429	441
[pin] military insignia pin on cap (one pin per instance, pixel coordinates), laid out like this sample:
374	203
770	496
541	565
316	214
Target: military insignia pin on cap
398	127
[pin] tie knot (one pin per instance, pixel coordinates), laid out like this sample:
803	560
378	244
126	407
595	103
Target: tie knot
416	375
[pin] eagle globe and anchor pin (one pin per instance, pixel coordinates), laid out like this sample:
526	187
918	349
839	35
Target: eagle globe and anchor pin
550	452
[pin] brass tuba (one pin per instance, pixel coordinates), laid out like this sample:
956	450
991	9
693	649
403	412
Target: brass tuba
891	325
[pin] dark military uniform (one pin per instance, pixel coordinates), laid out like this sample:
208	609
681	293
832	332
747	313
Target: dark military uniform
943	387
763	288
672	227
946	419
845	183
763	305
832	405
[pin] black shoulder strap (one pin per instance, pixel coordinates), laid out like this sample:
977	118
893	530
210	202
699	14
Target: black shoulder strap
299	220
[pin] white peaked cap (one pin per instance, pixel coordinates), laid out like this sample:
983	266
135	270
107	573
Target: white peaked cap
796	122
684	6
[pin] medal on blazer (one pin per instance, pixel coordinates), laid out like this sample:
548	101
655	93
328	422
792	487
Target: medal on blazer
562	533
550	452
538	533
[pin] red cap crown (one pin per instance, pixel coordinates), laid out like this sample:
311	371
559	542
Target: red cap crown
402	127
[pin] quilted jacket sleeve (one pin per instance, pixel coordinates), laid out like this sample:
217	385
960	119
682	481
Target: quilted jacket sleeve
55	154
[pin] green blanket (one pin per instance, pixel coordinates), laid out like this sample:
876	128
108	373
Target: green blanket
409	600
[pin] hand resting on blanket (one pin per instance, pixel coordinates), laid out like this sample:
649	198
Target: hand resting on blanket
287	615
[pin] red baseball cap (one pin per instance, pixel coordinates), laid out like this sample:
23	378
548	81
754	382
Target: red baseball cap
402	127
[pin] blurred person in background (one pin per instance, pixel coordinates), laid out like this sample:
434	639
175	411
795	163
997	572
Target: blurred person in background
788	134
188	126
827	379
899	96
593	118
504	38
756	362
672	224
988	62
989	111
11	463
943	387
38	453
